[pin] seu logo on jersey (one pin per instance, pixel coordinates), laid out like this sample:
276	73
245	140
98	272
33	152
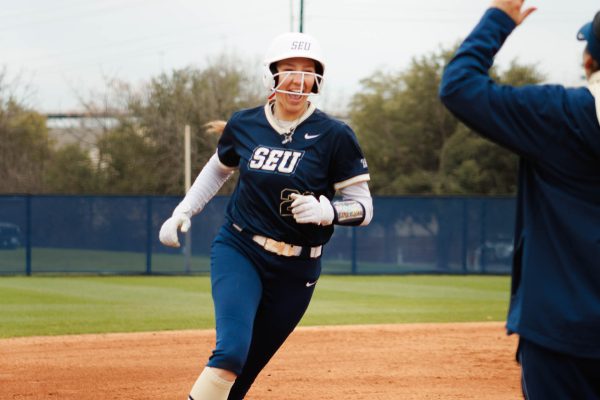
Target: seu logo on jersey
283	161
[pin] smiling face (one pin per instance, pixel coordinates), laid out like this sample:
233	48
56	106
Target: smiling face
294	75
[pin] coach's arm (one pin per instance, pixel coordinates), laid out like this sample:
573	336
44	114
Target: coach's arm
526	120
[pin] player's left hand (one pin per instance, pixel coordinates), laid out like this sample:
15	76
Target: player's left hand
309	210
514	9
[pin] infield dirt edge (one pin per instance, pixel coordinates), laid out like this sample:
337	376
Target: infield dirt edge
471	360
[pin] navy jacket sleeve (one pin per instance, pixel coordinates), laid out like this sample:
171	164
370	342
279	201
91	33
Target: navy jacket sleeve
526	120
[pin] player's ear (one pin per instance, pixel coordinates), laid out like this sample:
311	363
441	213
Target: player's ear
588	63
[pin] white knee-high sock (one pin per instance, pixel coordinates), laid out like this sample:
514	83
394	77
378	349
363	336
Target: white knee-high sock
210	386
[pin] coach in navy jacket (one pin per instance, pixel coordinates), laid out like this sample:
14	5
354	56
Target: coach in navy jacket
555	295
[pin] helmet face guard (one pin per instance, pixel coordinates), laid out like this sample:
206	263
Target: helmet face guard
292	45
281	78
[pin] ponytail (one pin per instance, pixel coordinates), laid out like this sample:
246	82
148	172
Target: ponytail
215	127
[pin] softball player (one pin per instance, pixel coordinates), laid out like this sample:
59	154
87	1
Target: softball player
266	259
555	296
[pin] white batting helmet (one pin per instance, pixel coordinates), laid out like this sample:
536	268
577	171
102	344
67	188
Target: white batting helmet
292	45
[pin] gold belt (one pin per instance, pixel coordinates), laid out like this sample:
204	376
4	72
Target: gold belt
284	249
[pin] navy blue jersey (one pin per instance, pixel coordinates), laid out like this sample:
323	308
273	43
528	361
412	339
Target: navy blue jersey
322	156
555	299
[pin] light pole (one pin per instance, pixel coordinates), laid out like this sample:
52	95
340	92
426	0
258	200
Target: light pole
301	15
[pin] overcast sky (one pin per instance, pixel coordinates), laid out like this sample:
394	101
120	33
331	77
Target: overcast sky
64	48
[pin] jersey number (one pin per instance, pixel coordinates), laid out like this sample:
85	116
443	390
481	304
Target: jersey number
286	201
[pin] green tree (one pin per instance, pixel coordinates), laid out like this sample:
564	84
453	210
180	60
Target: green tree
144	153
414	145
471	164
402	126
30	160
24	144
474	165
126	162
70	170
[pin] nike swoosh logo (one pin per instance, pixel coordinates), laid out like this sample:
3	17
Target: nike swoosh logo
307	136
309	284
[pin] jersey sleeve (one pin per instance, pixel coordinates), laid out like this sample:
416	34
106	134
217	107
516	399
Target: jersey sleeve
226	148
348	165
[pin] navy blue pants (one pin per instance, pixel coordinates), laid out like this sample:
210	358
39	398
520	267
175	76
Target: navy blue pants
549	375
259	298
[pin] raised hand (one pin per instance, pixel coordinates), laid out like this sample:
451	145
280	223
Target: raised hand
514	9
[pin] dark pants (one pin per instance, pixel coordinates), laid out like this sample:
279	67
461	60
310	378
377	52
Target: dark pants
548	375
259	298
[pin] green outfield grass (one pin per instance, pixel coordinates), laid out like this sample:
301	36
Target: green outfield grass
72	305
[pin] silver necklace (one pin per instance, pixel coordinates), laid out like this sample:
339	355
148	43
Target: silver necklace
291	126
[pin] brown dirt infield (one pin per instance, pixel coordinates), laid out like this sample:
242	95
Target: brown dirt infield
408	361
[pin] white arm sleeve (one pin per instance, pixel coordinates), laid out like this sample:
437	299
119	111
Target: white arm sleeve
360	192
212	177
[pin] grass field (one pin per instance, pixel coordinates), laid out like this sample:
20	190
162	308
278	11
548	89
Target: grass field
31	306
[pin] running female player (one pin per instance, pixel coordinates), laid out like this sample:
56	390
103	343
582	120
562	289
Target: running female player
266	259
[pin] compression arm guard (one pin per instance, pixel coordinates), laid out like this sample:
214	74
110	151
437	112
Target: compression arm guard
212	177
356	208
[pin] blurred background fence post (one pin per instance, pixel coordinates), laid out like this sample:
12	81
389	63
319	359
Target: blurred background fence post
28	235
188	183
149	235
353	252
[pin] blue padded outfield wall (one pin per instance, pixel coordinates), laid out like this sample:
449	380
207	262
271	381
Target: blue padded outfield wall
119	235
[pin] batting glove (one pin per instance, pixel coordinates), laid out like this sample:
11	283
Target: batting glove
309	210
168	230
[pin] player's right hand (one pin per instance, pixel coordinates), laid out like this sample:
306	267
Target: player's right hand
168	230
308	210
